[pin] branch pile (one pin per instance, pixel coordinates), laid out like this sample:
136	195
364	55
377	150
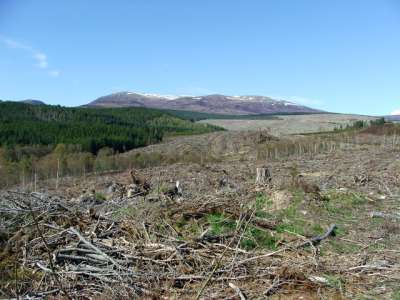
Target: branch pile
53	246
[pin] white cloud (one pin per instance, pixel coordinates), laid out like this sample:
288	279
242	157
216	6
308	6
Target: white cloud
300	100
304	101
13	44
54	73
396	112
39	57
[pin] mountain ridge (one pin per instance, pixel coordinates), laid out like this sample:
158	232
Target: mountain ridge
33	102
214	103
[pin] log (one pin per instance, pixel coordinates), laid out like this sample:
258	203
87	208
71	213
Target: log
318	239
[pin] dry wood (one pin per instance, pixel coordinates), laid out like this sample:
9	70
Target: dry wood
378	214
237	290
263	176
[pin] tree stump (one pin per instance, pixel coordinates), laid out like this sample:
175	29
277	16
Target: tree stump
263	176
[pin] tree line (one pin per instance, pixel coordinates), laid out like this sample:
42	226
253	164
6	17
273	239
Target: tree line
121	129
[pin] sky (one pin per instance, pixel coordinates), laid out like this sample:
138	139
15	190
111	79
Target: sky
340	56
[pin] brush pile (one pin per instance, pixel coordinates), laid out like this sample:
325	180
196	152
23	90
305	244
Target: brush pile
52	246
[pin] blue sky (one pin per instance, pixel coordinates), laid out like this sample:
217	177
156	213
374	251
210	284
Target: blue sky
341	56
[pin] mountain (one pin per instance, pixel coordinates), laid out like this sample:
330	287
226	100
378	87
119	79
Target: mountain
392	118
33	102
221	104
26	101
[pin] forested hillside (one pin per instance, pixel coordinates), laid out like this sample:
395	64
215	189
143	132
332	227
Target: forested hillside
43	141
91	128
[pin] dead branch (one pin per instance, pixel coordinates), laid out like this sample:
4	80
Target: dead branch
237	290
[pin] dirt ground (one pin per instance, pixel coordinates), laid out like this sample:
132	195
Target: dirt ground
226	238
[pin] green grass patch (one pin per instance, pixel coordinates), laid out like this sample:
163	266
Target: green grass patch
343	205
376	223
336	282
220	224
100	197
345	200
123	212
261	204
262	201
343	247
292	227
396	295
188	229
293	220
181	222
257	238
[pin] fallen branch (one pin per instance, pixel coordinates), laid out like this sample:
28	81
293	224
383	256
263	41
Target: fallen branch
90	245
274	287
318	239
237	290
378	214
313	241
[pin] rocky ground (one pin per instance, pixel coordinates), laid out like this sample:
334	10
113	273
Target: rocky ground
325	227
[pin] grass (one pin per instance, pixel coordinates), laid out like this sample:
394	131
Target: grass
292	220
257	238
341	206
335	282
338	208
396	295
343	247
220	224
262	201
253	237
100	197
123	212
261	204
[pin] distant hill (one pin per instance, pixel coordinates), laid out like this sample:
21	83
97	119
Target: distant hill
392	118
218	104
33	102
26	101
